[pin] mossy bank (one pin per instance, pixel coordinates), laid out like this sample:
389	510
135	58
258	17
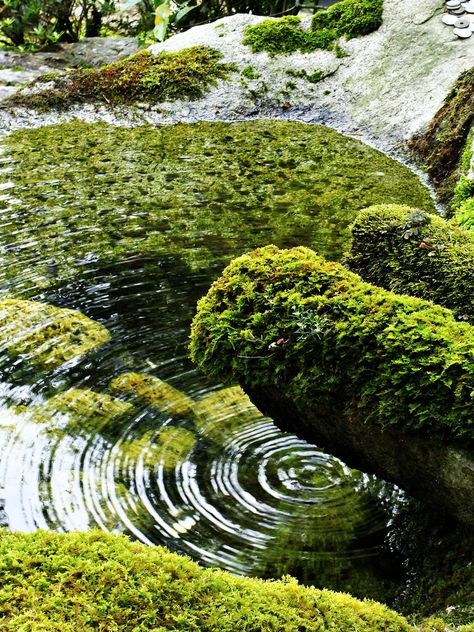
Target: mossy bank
98	581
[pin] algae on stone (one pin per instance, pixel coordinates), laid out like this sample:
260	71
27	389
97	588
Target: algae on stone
47	336
409	251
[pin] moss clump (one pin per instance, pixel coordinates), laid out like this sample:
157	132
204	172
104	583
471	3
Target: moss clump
47	336
186	74
442	145
284	36
349	18
290	320
155	392
92	581
409	251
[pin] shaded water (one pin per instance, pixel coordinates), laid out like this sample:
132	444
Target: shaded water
130	226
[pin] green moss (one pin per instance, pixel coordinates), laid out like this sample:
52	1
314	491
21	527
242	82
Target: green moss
465	214
155	392
442	145
92	581
349	18
167	192
284	36
47	336
289	319
186	74
250	73
410	251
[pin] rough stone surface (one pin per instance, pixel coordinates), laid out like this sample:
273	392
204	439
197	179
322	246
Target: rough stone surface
388	87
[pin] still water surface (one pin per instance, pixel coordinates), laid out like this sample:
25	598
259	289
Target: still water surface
130	226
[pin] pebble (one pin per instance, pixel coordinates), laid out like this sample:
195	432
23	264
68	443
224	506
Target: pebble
462	23
460	11
453	4
449	19
469	7
463	33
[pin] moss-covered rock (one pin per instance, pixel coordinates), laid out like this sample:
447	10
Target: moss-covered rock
383	381
441	146
45	336
169	76
92	581
349	18
409	251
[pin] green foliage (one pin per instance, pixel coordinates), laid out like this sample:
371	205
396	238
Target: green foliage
463	191
389	360
465	214
186	74
97	581
409	251
441	147
35	24
350	18
313	77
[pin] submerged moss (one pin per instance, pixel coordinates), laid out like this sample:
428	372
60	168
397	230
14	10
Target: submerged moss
289	319
144	77
94	580
155	392
47	336
349	18
409	251
167	448
110	193
85	411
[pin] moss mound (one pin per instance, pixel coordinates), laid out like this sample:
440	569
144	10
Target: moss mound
92	581
409	251
186	74
289	319
349	18
443	143
47	336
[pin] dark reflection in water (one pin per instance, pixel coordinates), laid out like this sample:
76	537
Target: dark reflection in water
131	227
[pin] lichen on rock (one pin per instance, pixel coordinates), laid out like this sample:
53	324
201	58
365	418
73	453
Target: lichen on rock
45	336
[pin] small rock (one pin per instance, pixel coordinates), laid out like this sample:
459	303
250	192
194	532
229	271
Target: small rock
459	11
462	23
469	7
463	33
453	4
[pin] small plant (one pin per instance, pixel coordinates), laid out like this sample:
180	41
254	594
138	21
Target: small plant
163	13
250	73
310	325
413	223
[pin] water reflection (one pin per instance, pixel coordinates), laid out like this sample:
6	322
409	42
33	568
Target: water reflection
130	227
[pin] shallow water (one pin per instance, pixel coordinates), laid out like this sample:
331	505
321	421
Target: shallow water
130	226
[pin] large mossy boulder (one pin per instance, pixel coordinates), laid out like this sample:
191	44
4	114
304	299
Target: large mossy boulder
92	581
384	381
410	251
44	336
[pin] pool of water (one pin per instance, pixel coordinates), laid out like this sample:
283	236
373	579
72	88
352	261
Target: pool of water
130	226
